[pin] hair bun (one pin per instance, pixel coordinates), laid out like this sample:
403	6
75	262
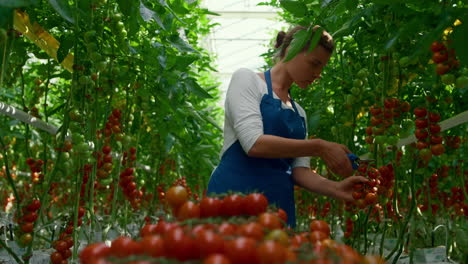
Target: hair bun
280	38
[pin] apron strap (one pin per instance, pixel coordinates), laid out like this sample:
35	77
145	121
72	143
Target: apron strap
268	81
270	92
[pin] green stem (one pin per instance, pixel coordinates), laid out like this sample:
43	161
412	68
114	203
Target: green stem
9	178
408	218
8	249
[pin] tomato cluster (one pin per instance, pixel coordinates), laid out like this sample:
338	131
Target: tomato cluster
428	133
65	242
258	240
444	57
384	127
129	187
112	126
35	167
26	222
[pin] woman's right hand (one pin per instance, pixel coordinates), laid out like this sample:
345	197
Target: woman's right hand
335	157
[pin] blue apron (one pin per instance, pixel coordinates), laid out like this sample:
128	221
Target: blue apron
238	172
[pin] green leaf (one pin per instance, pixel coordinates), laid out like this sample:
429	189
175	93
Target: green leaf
6	17
66	43
297	44
197	89
148	14
296	8
17	3
460	38
126	6
315	38
63	8
180	44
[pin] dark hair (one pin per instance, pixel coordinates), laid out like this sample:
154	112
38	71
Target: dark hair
283	40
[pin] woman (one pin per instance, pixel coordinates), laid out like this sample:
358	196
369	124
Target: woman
265	139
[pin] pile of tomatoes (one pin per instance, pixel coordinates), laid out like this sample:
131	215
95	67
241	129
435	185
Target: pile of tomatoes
235	228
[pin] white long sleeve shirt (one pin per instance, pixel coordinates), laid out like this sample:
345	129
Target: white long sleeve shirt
243	119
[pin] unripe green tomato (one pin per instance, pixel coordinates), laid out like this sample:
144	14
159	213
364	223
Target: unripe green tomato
354	217
404	61
101	66
392	140
81	147
363	73
380	139
448	78
119	26
95	56
116	17
84	79
357	83
77	138
91	46
333	130
355	91
123	34
90	35
66	156
461	82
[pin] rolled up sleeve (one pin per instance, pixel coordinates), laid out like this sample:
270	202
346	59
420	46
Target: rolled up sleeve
242	107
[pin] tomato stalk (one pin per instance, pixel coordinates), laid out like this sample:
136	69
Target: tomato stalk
27	136
399	246
11	252
9	178
366	221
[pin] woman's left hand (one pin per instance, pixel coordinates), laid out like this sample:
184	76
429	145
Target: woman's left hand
344	188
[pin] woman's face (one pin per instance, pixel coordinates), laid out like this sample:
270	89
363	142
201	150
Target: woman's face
306	67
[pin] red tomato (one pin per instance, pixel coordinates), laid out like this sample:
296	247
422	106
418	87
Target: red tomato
271	252
232	205
148	230
255	204
425	154
27	227
282	215
421	145
316	236
31	217
421	134
209	243
436	140
106	149
434	128
421	123
405	107
442	69
94	251
297	240
420	112
216	259
371	198
176	196
210	207
56	258
178	245
124	246
375	110
188	210
227	229
437	149
269	221
164	227
241	250
437	46
61	246
253	230
152	245
320	225
434	117
34	205
440	57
